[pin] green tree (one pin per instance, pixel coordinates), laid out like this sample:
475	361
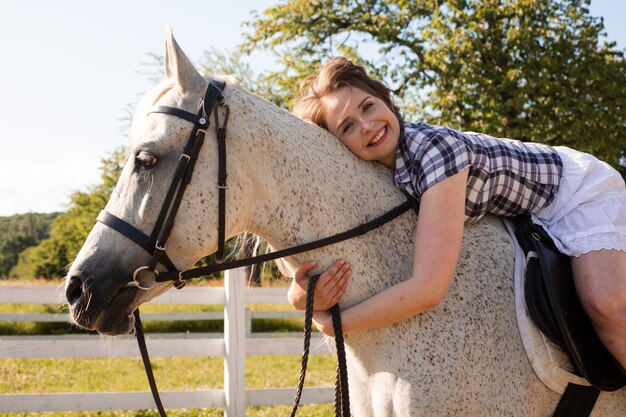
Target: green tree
530	69
19	232
68	231
216	62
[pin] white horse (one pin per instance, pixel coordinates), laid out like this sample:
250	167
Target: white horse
292	182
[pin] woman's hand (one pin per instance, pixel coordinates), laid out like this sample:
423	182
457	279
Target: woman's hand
323	320
330	287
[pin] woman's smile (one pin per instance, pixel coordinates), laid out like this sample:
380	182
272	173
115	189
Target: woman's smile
379	138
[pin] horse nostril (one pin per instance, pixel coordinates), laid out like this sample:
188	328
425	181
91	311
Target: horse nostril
74	289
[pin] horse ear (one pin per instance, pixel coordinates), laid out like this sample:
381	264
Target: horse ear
178	66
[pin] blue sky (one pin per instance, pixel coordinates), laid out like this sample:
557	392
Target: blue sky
69	69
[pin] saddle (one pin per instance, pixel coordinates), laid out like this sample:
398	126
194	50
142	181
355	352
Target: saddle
555	308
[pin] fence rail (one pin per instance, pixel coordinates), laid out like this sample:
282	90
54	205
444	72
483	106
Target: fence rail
173	316
236	342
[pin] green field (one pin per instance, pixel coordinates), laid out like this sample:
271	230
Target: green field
182	373
74	375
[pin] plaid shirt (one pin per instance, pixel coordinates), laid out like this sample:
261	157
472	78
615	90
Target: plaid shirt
506	177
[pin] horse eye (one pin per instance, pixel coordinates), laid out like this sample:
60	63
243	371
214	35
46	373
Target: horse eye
145	160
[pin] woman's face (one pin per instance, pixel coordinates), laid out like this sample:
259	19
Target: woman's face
363	123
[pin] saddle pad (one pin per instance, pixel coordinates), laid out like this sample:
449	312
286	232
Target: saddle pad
550	362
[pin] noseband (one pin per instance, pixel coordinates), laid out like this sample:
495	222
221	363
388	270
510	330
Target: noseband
146	277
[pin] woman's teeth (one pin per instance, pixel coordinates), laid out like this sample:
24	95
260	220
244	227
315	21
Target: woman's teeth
378	137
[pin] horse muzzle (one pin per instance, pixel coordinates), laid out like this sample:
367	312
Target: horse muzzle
97	305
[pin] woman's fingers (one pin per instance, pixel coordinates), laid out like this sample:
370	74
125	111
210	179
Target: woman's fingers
341	287
303	270
336	276
334	282
329	275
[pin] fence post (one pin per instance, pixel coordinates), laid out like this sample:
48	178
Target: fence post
234	343
248	323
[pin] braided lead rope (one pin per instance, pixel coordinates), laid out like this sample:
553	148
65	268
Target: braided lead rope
338	402
342	402
308	321
341	382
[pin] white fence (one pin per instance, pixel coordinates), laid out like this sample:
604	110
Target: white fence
237	342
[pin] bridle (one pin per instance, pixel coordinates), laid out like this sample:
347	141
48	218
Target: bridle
147	276
144	277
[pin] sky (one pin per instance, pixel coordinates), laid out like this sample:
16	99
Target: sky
69	69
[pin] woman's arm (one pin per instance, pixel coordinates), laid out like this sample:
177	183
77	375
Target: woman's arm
437	246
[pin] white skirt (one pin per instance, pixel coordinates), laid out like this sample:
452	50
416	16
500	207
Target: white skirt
589	210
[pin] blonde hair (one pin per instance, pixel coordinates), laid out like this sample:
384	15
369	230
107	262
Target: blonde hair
336	73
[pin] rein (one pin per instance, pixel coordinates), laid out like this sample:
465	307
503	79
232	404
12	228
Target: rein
342	399
146	277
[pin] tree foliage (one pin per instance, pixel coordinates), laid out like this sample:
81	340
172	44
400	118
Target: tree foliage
69	230
19	232
529	69
235	63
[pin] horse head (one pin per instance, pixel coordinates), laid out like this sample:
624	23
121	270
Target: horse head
97	287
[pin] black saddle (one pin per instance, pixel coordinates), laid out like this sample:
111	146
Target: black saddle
554	307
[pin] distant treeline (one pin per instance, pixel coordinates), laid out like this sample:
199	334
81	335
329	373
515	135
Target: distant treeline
19	232
44	245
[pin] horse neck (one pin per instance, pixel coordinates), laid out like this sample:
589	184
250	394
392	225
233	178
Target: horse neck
302	183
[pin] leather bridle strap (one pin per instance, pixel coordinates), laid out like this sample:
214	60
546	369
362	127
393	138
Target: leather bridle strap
221	184
196	139
316	244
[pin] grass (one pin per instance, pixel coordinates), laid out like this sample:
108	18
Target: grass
23	376
183	373
27	376
273	411
282	410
